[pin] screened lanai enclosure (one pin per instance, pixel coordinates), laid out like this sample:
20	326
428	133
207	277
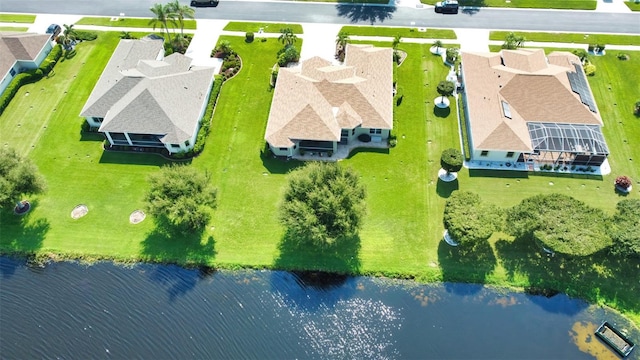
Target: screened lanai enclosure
566	144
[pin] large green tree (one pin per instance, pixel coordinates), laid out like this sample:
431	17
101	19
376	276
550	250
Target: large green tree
625	230
469	220
162	17
323	203
560	223
18	177
181	196
445	88
451	160
180	12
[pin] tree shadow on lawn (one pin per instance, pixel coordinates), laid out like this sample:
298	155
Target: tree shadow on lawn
319	273
445	188
357	13
168	246
460	264
131	158
21	236
441	112
594	277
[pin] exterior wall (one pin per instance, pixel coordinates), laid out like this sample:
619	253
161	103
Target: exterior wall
20	66
183	147
7	79
494	155
282	151
93	122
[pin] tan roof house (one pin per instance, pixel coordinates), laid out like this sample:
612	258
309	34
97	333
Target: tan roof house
318	106
145	100
524	109
20	52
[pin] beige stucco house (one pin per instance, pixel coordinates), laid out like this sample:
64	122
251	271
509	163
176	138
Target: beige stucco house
318	106
145	100
523	107
20	52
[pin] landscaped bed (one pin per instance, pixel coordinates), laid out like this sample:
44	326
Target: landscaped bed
402	233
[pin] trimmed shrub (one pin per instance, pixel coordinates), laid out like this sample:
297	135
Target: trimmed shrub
249	36
84	35
623	182
590	69
451	160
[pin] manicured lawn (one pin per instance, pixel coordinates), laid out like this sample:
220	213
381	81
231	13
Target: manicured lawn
13	28
403	32
634	6
17	18
130	22
571	38
534	4
266	27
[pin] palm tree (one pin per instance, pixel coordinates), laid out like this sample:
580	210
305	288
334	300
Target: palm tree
68	36
341	43
125	35
287	37
180	12
162	18
437	44
396	41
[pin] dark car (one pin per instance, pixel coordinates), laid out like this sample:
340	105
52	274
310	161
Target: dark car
54	30
447	7
204	3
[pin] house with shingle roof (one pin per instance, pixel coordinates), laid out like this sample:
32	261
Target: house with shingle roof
21	52
524	107
145	100
318	106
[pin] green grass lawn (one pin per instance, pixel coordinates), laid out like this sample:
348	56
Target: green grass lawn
571	38
402	231
17	18
403	32
13	28
131	22
533	4
634	6
266	27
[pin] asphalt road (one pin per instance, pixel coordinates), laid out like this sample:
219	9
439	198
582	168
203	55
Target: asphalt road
345	13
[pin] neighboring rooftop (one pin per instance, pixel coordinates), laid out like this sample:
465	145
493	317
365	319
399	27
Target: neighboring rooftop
316	100
19	46
506	90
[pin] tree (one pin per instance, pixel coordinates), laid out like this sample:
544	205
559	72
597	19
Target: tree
341	43
452	55
180	12
446	88
437	44
623	182
323	203
126	35
582	54
162	17
287	37
181	196
625	229
560	223
513	41
451	160
18	177
67	37
470	221
396	42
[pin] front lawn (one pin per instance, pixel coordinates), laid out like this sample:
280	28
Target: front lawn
266	27
533	4
403	32
607	39
128	22
634	6
13	28
17	18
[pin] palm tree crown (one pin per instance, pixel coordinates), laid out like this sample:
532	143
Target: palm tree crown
180	12
287	37
162	17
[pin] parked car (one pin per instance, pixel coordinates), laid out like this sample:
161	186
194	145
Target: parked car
204	3
54	30
447	7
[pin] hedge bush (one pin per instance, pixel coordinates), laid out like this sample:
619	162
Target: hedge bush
84	35
15	85
205	123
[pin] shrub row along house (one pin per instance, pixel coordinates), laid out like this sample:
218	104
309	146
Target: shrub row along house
319	106
21	52
523	107
145	100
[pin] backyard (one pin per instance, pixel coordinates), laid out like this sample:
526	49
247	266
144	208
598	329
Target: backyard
403	228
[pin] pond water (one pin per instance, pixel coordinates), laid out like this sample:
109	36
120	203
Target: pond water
72	311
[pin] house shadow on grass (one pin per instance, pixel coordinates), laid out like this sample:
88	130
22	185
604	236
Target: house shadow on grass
277	165
356	151
445	188
498	174
317	275
132	158
470	264
364	13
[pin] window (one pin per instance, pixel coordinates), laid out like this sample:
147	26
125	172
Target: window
186	143
484	153
510	154
175	146
353	131
283	149
12	72
375	131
